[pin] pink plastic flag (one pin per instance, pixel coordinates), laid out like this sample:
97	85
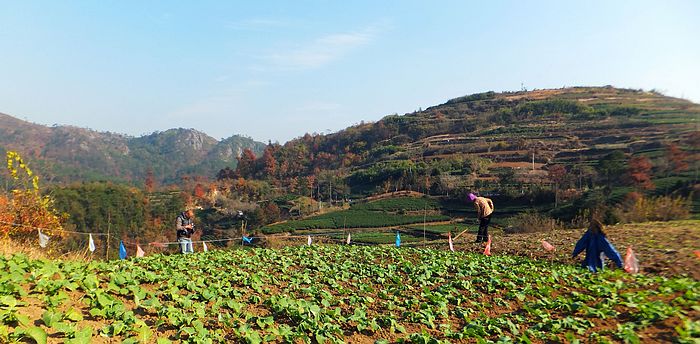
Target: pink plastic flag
308	241
547	246
631	263
487	250
139	251
449	240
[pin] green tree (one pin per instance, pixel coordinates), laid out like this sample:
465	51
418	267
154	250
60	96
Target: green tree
611	167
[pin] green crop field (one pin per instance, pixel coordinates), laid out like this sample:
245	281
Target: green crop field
338	294
399	204
352	218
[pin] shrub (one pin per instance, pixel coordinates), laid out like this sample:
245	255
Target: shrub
637	208
25	208
530	222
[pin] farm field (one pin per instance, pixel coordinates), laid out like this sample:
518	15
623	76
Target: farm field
340	293
351	219
376	214
662	247
409	212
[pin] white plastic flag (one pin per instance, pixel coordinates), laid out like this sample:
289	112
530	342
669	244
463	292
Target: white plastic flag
204	247
308	241
91	244
139	251
348	241
449	239
43	239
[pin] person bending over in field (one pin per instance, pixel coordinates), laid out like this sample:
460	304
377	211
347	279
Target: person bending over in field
596	243
185	229
484	209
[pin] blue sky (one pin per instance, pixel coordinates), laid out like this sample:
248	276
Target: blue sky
278	69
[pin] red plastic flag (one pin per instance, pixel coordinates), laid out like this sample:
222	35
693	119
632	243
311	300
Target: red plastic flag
139	251
547	246
697	253
487	250
631	263
449	239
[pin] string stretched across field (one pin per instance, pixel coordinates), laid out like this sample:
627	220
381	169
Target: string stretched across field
49	229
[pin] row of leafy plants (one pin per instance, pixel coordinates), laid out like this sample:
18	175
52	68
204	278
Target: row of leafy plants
352	218
330	294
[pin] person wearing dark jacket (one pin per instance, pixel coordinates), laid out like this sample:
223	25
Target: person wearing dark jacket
185	229
595	243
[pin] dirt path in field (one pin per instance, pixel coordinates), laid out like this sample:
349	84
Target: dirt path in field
665	248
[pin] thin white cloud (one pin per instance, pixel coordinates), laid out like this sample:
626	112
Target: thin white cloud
321	51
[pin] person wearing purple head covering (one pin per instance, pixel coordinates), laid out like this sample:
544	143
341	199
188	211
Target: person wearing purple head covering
484	210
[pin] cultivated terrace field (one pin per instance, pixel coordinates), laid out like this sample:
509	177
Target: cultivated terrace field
339	293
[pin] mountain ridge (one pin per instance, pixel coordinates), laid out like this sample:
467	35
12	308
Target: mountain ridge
66	153
512	130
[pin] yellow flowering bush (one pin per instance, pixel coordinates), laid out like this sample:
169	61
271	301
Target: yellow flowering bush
24	209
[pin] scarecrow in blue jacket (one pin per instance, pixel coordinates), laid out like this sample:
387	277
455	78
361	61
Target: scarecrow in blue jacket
595	243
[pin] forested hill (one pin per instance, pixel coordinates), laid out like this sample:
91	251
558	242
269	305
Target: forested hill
485	137
67	154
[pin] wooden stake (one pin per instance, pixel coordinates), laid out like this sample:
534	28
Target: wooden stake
109	226
425	213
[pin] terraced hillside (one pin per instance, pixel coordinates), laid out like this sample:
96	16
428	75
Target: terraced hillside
483	136
567	126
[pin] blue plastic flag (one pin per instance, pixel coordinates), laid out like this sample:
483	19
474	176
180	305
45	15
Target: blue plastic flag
122	250
398	239
247	239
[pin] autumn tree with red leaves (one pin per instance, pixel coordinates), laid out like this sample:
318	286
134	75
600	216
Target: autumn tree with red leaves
293	184
199	191
269	163
246	164
676	158
557	174
310	181
639	171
